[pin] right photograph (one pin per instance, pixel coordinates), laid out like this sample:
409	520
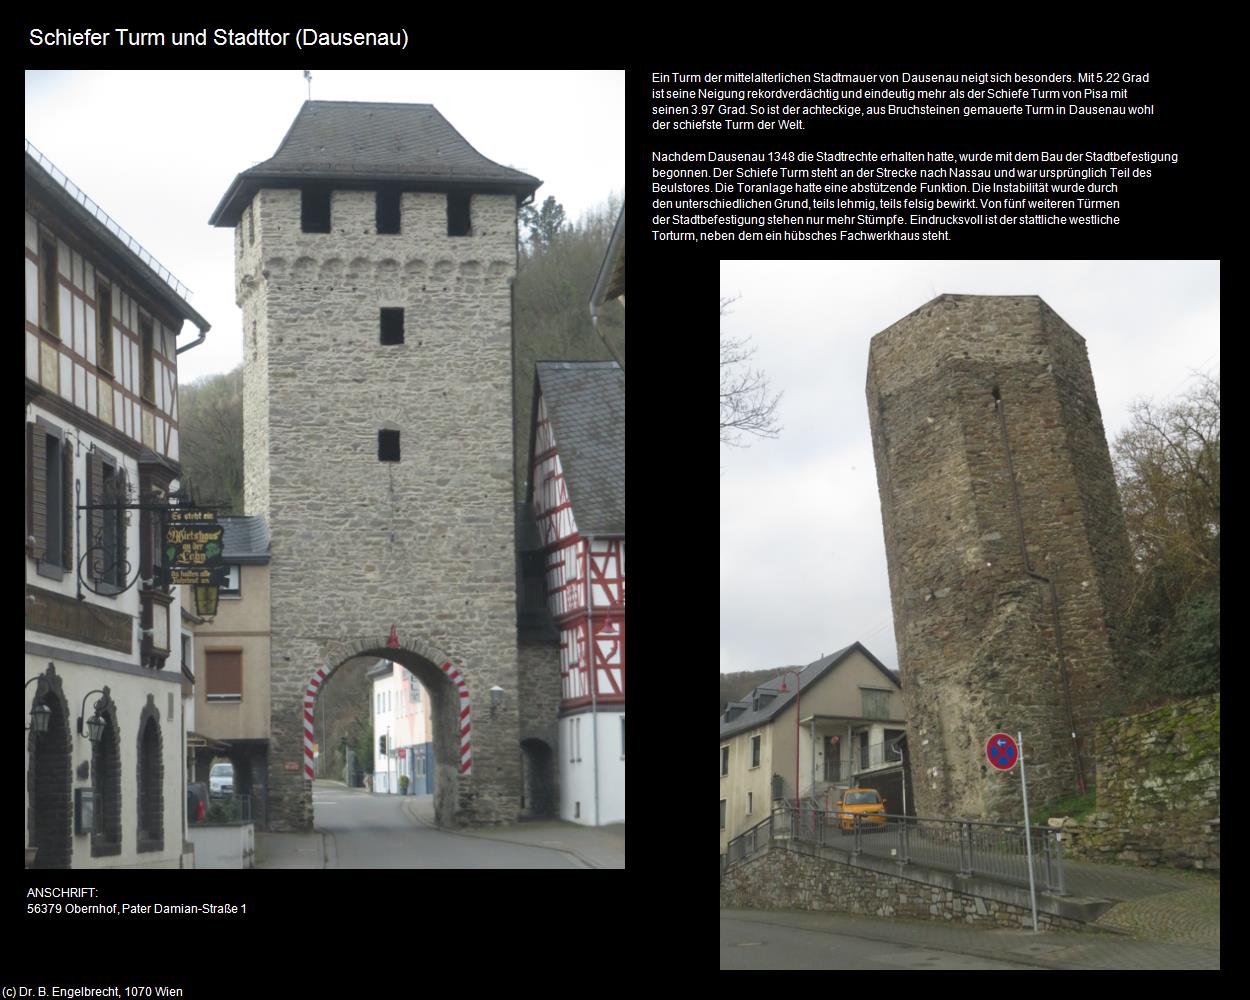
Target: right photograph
994	495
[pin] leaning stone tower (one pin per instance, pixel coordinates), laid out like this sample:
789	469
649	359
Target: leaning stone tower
1006	545
375	253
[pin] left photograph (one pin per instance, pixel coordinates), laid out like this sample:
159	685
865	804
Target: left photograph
324	470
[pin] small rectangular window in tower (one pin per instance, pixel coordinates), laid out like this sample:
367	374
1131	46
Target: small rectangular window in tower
388	212
314	210
251	227
388	446
457	214
392	326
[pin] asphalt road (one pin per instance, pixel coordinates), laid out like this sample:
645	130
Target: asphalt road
752	944
373	831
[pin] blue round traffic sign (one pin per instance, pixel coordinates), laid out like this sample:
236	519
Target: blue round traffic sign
1001	751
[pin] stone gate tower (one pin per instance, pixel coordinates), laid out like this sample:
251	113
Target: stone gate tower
374	254
1006	545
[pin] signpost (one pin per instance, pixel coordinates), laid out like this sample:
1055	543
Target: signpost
1003	752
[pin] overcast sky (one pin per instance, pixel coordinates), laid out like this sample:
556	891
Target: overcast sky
157	150
802	553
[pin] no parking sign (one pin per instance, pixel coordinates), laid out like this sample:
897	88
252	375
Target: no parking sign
1001	751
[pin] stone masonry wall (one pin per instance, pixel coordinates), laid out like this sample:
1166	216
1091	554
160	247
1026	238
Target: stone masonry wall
425	543
1158	790
783	879
971	560
538	681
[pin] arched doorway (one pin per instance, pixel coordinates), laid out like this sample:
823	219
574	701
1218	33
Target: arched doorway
540	795
457	724
49	778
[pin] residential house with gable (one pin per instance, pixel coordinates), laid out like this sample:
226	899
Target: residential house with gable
842	727
577	495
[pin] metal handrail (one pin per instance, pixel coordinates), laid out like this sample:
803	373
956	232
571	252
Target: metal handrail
106	220
967	846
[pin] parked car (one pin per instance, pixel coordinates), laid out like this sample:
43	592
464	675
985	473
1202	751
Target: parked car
864	802
197	802
221	779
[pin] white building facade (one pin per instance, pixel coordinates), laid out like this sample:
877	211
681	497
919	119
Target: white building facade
102	631
401	731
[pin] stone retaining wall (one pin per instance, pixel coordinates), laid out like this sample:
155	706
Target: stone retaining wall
784	879
1158	790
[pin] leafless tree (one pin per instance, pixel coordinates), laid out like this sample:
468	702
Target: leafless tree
746	406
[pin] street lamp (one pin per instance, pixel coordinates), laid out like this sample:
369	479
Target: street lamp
798	696
95	726
40	715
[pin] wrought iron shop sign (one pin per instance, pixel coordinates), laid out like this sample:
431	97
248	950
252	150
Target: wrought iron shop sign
193	541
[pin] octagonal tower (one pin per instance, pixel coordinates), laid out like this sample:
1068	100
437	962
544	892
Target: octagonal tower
1005	539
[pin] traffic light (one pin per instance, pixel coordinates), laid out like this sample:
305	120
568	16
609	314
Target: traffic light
382	746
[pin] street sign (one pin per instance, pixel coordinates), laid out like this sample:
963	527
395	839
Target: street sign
1001	751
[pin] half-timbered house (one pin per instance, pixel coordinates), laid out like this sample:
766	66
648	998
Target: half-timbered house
577	494
104	747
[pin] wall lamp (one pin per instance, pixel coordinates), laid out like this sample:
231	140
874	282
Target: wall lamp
95	725
40	715
496	698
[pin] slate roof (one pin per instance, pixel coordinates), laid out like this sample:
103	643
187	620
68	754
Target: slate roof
586	406
245	540
809	675
356	144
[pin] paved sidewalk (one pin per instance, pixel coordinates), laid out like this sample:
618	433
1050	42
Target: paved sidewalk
290	850
1178	907
598	847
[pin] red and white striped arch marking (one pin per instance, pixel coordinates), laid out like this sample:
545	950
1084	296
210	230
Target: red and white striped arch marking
466	752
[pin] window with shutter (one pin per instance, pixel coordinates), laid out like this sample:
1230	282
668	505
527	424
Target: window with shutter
36	492
104	330
107	486
49	296
148	381
50	510
876	704
223	669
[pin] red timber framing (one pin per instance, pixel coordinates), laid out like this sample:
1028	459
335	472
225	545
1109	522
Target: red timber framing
568	555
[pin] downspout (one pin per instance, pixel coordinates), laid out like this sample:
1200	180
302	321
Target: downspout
194	343
1054	597
594	681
